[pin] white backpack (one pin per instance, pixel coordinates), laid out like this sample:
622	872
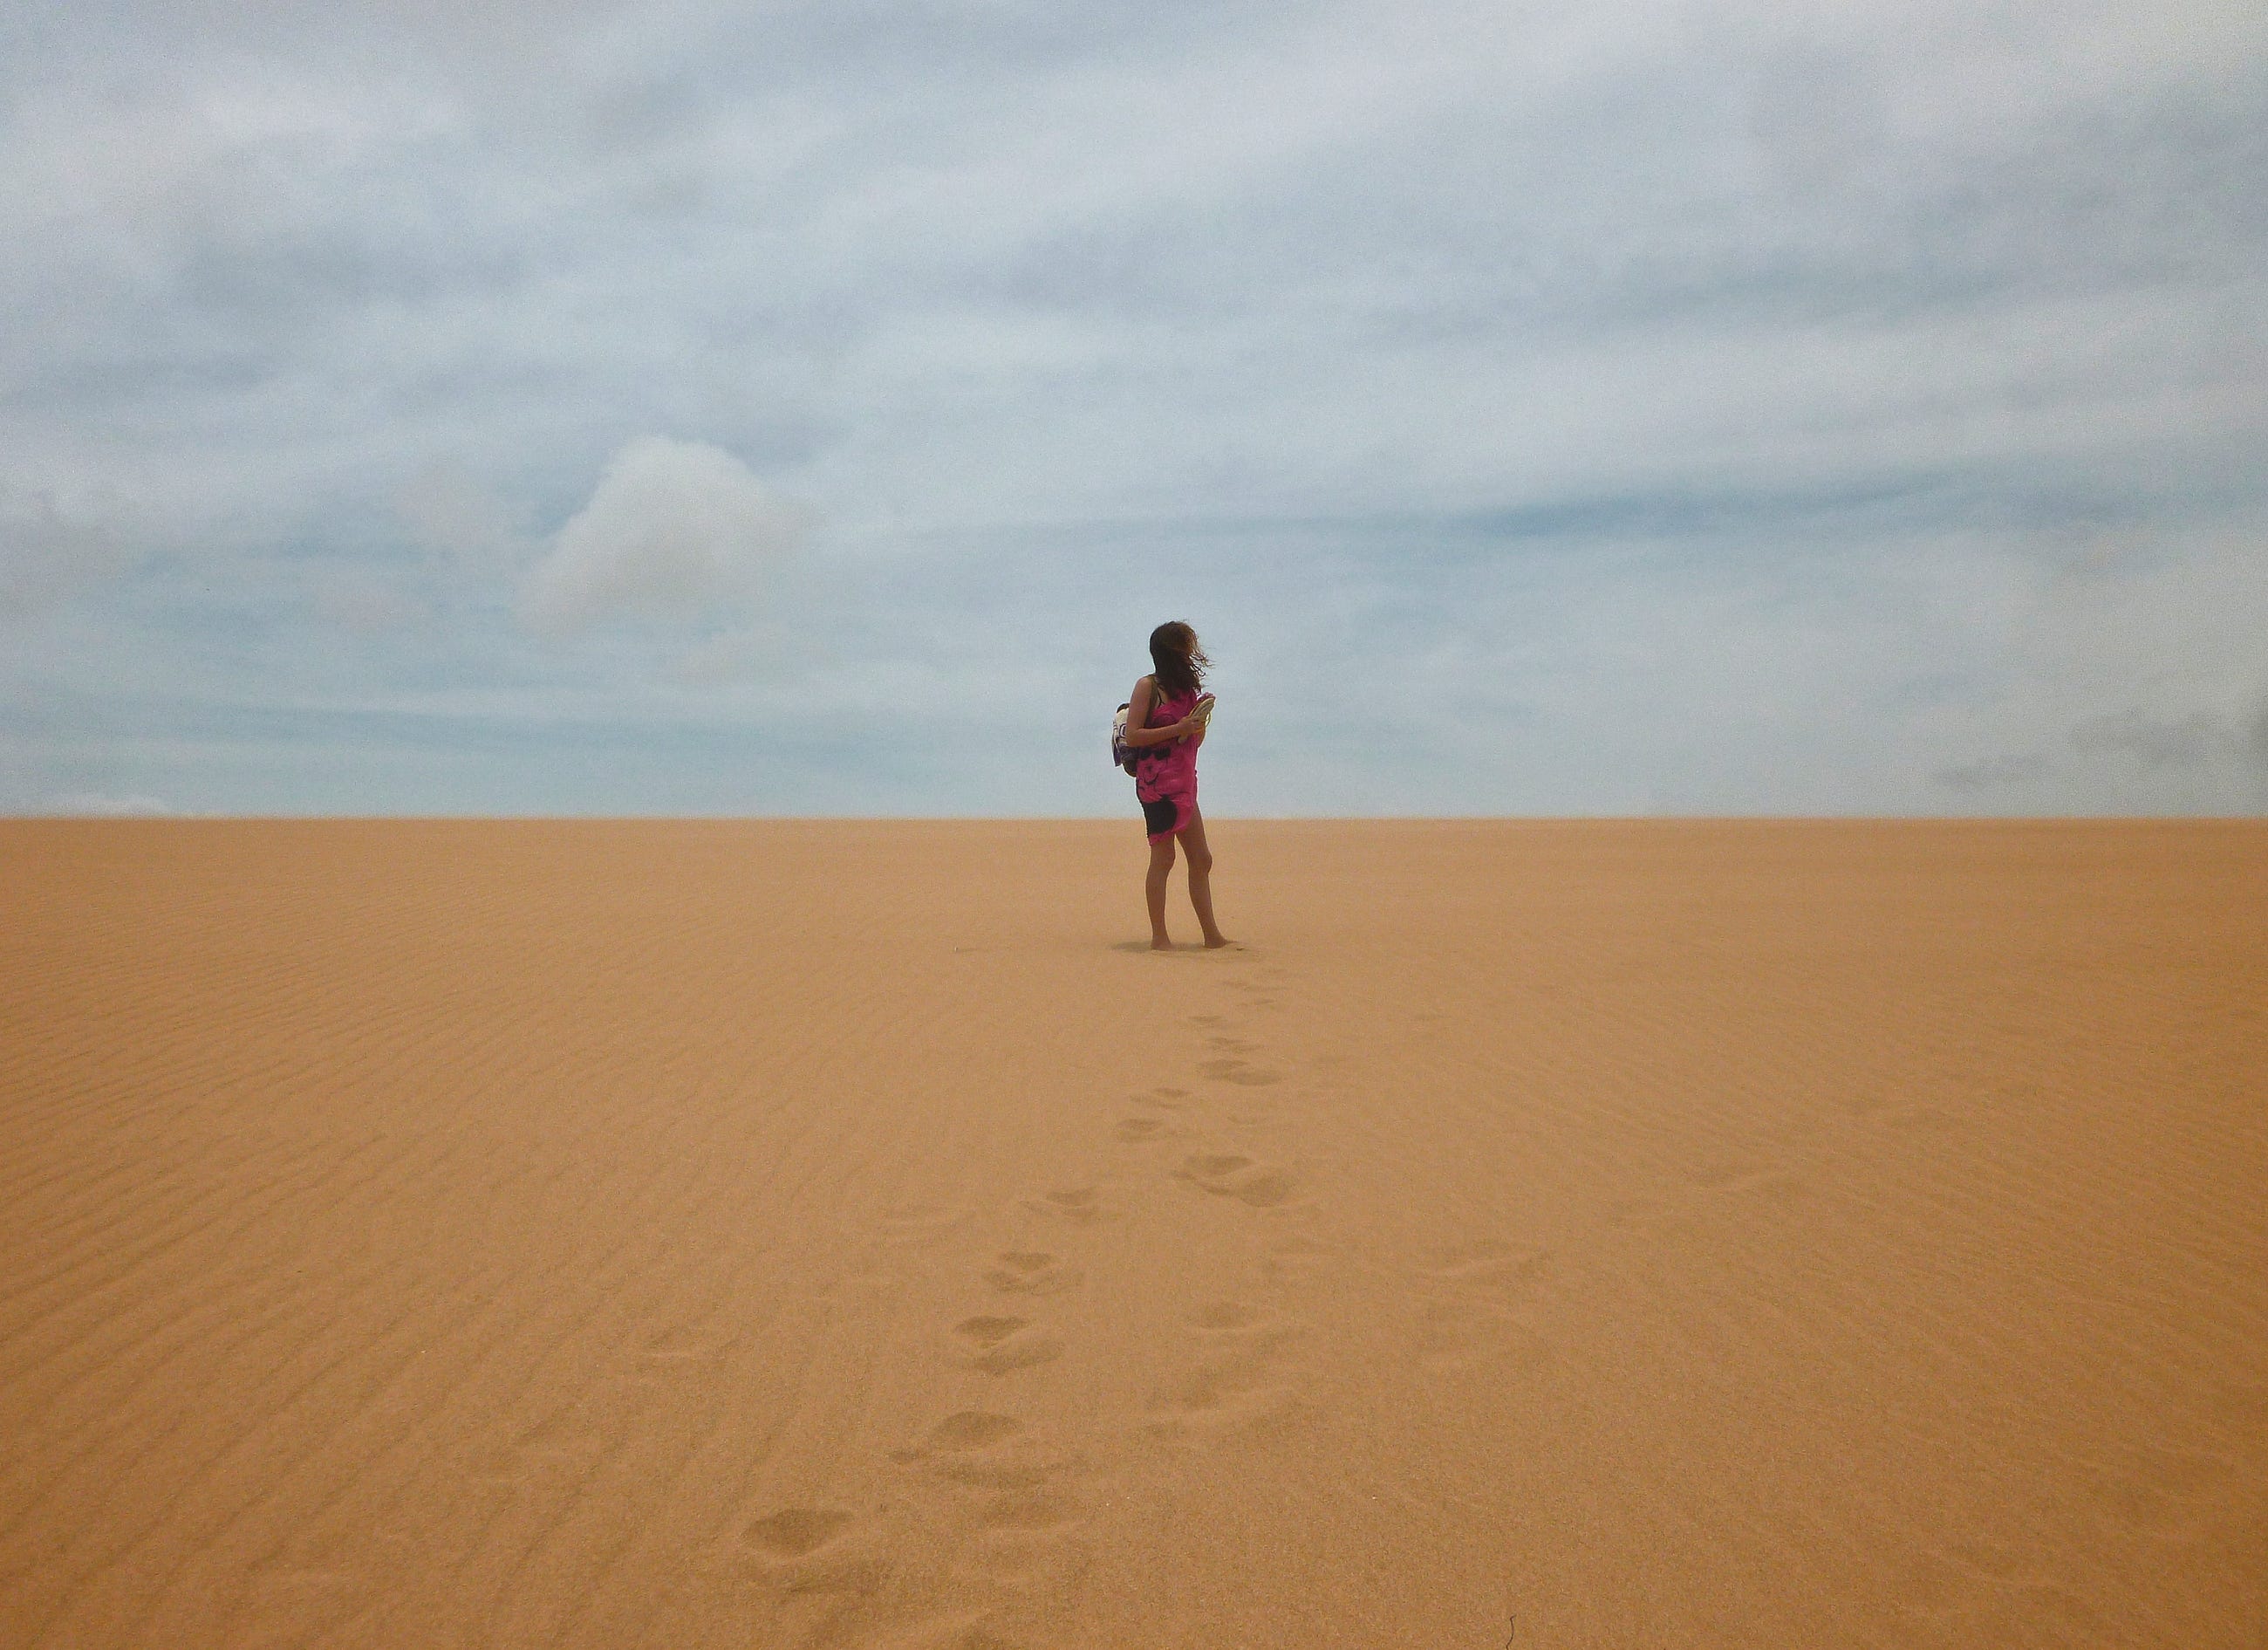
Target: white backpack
1124	754
1121	752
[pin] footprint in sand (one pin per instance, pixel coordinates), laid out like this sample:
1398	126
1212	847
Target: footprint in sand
1164	1099
974	1546
1136	1129
1216	1399
1232	1045
988	1331
1003	1343
1239	1381
1489	1261
560	1442
1000	1517
1470	1298
1233	1071
1229	1175
1294	1255
1248	1332
680	1348
797	1531
1031	1272
1022	1352
814	1554
1458	1334
982	1449
1081	1205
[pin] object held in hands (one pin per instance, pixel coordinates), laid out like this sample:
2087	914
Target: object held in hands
1201	712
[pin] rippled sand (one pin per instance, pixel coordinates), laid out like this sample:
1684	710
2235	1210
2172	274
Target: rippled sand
678	1235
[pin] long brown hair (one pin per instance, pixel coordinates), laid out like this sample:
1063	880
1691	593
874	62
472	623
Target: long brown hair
1181	662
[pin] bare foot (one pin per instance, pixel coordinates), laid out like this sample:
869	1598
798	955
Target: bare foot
1160	943
1214	942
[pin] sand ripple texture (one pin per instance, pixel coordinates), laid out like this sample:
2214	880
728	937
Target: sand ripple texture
806	1233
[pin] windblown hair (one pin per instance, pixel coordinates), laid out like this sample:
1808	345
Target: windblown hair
1181	663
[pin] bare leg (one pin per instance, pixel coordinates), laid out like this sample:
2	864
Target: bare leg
1162	862
1200	880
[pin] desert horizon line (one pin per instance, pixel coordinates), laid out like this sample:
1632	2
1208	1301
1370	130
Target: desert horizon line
187	818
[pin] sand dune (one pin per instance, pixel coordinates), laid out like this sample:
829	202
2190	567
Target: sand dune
674	1235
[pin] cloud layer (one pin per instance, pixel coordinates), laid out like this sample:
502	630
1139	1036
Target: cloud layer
1728	407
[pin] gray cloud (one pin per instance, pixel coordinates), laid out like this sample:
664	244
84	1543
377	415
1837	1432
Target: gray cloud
48	553
1988	773
1712	408
367	604
2161	744
451	515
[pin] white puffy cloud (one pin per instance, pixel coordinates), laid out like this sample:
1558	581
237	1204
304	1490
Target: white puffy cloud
674	529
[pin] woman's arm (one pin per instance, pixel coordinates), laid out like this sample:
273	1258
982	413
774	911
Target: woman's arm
1138	712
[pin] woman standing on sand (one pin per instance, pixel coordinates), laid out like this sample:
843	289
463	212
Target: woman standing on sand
1164	724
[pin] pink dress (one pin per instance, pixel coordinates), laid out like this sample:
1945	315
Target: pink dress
1165	775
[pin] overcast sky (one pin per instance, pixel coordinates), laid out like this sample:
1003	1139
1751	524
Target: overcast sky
690	408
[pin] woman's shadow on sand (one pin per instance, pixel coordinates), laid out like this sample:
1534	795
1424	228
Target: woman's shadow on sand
1193	948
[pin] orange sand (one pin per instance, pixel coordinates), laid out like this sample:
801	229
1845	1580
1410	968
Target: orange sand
678	1234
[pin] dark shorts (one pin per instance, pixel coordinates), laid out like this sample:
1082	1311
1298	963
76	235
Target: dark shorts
1162	818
